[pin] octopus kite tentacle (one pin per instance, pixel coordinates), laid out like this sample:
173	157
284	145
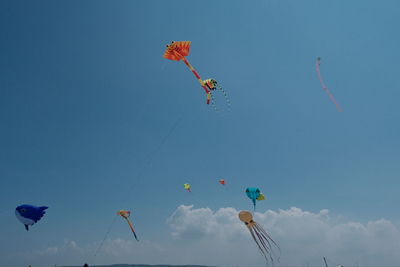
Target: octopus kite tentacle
262	239
263	249
269	239
267	236
323	85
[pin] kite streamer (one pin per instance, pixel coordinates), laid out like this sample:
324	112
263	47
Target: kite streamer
213	85
323	85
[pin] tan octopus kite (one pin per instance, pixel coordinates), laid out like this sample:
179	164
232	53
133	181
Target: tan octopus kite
264	242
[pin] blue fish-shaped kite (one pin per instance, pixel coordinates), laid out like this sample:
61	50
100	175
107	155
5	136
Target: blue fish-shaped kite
253	193
29	215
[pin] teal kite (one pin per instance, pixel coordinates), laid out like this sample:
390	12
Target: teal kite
254	194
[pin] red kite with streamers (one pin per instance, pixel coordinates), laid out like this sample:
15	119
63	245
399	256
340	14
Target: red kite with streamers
178	51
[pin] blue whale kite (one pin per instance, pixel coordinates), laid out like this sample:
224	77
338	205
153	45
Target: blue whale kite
29	215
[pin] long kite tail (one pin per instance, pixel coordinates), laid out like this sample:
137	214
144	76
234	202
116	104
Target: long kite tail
133	231
324	87
198	78
228	102
213	102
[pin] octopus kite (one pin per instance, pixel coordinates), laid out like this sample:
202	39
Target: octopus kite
264	242
125	214
323	85
178	51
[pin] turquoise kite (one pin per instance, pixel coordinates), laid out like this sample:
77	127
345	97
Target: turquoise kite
254	194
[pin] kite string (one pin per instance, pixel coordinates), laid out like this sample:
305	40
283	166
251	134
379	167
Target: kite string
150	159
105	236
153	154
326	88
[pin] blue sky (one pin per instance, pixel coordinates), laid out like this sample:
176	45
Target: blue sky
87	100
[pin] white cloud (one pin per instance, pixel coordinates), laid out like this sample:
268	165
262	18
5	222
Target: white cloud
49	251
304	237
204	236
187	222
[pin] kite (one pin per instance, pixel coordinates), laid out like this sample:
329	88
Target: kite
125	214
254	194
29	214
178	51
213	85
222	181
323	85
264	242
187	187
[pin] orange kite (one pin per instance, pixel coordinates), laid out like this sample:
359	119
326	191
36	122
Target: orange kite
178	51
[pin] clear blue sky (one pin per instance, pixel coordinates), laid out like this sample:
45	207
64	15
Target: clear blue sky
87	99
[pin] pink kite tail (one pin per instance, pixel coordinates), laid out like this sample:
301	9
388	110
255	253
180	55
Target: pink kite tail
325	88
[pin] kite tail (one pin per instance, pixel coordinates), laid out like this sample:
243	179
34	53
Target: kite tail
228	102
198	78
133	231
213	102
326	88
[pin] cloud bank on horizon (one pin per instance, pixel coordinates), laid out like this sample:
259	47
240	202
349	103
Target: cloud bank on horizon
204	236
